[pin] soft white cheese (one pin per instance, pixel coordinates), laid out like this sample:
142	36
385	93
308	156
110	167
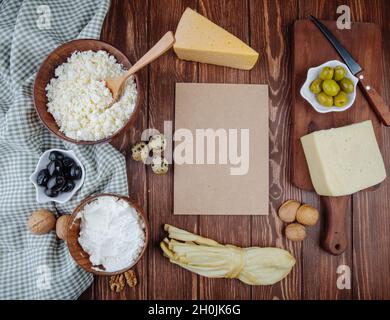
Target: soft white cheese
78	97
112	233
344	160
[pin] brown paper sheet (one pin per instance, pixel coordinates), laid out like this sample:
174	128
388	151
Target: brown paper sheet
211	189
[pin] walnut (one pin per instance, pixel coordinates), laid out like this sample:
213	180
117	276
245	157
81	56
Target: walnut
157	143
117	283
288	210
140	151
62	226
295	232
41	221
307	215
159	165
131	278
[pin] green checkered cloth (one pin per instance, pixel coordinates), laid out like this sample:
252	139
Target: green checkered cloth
31	266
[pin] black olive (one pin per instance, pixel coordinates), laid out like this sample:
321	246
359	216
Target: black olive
75	172
68	186
42	177
54	167
66	172
61	181
51	193
51	183
56	155
67	162
56	183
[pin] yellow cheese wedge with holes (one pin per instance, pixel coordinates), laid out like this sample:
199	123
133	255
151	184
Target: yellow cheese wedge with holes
344	160
199	39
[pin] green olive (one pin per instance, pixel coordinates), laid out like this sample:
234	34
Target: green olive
315	86
330	87
324	99
339	73
341	99
346	85
326	73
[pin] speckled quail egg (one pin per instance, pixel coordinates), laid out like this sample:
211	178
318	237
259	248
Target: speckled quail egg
140	151
157	143
159	165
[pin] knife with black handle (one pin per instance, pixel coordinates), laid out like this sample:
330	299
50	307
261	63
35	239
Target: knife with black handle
373	97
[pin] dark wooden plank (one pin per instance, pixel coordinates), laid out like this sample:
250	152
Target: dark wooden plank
166	281
379	287
270	30
371	220
126	28
231	15
309	38
316	261
135	25
385	24
366	259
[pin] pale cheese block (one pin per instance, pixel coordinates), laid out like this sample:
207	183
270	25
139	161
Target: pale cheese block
199	39
344	160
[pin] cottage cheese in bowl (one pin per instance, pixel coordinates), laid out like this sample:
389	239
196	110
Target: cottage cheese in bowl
78	98
112	233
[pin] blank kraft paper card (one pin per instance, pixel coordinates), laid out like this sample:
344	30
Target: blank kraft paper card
221	149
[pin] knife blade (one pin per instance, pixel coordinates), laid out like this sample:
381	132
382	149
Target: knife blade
374	99
349	61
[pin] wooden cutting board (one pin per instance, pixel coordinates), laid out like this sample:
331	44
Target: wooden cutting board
310	49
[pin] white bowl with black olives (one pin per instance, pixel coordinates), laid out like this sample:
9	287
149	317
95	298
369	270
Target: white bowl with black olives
58	176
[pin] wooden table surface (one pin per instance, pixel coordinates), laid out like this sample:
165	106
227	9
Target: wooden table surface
134	26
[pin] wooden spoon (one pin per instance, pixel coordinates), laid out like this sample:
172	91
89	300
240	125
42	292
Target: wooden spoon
116	84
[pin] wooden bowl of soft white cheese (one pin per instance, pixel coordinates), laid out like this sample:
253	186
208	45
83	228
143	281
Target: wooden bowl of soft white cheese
71	98
107	234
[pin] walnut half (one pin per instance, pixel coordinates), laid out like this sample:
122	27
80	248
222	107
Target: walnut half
117	283
131	278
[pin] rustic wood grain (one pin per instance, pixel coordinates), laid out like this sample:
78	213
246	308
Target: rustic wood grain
315	261
362	11
385	22
165	280
270	34
371	219
133	26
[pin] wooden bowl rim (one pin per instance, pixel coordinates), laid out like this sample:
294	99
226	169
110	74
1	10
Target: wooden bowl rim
113	51
73	248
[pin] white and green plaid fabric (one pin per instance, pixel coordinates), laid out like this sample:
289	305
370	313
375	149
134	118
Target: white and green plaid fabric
40	267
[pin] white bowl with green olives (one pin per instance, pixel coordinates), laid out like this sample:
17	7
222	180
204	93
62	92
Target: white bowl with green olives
330	87
57	176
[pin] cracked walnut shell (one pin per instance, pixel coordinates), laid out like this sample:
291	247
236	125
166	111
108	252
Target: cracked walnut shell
117	283
131	278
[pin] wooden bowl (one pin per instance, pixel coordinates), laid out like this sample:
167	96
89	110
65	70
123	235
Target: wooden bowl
46	73
73	229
